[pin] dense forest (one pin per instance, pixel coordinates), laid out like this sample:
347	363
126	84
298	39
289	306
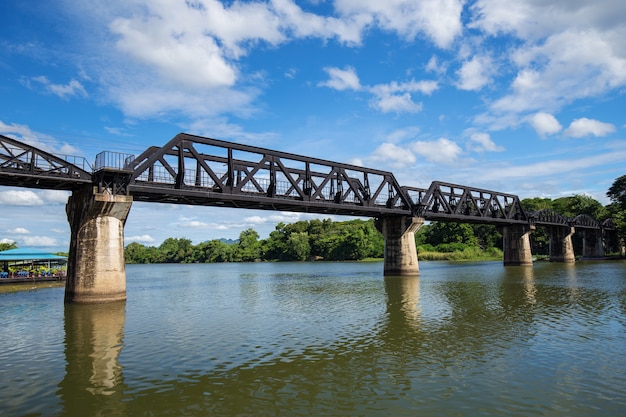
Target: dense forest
359	239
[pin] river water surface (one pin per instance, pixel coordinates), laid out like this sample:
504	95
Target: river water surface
296	339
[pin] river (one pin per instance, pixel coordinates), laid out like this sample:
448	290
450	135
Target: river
309	339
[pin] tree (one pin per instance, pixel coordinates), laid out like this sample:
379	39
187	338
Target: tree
298	247
176	250
7	246
249	247
617	192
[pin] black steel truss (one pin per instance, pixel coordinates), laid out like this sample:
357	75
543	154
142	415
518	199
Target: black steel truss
197	170
453	202
23	165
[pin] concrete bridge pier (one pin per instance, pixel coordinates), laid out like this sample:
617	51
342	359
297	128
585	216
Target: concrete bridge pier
593	246
516	245
400	251
561	246
96	270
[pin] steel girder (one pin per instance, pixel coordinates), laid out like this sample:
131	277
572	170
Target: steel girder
23	165
203	171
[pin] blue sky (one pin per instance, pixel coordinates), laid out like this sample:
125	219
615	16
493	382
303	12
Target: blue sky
523	96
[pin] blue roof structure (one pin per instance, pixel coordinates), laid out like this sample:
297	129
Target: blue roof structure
28	254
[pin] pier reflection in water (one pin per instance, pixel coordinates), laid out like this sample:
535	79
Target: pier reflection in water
331	339
93	383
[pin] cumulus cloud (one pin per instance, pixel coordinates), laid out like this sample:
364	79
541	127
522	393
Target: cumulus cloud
20	198
545	124
139	239
438	20
396	97
41	241
481	142
443	150
475	73
392	97
19	231
567	51
341	79
394	155
588	127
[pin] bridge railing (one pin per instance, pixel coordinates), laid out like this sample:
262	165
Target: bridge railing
114	160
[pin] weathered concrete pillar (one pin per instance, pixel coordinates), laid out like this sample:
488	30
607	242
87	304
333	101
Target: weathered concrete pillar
516	245
561	247
96	270
400	251
592	244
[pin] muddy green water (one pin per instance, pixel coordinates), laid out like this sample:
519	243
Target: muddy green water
293	339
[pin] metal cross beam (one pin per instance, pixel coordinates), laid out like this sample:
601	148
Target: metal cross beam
23	165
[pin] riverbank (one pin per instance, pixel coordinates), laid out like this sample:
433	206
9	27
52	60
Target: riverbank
29	286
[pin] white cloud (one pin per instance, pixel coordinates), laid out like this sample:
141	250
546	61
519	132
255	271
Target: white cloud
388	98
20	198
398	103
442	150
394	155
42	141
37	241
545	124
54	196
439	20
481	142
587	127
5	240
475	73
341	79
73	88
396	97
19	231
567	51
138	239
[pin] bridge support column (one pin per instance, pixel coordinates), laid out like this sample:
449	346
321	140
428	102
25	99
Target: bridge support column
400	251
516	245
561	247
592	244
96	270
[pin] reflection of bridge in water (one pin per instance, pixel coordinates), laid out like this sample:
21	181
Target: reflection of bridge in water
202	171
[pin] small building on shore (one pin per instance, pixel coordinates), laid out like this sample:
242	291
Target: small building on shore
31	264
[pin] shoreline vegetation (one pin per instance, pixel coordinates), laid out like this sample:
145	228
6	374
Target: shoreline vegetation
325	240
358	240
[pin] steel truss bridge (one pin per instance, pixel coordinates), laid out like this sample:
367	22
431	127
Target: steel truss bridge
201	171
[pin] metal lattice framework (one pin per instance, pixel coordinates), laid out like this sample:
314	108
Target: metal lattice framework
197	170
453	202
23	165
204	171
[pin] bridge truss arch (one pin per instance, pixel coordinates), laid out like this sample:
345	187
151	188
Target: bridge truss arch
23	165
203	171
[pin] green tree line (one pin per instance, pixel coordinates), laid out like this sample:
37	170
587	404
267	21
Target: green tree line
359	239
